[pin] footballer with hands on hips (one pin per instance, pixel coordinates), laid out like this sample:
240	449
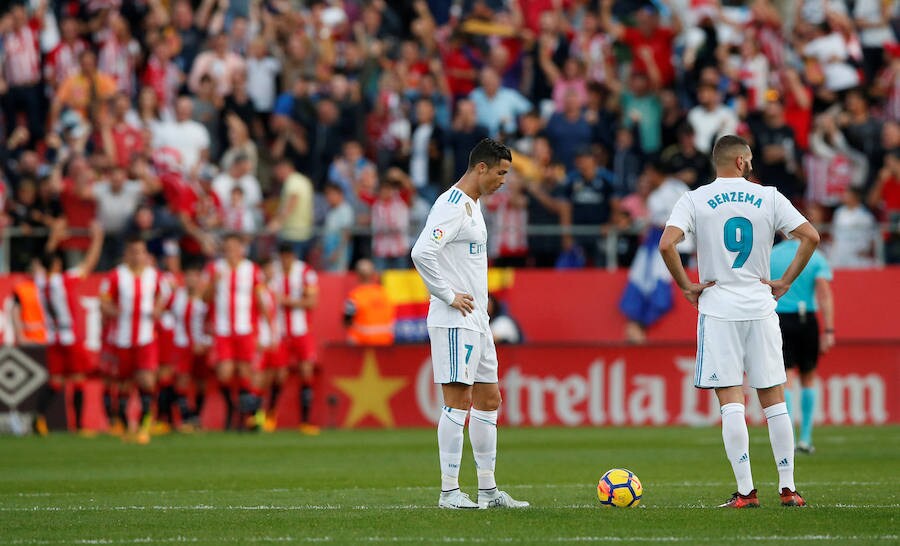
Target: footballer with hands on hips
735	222
451	256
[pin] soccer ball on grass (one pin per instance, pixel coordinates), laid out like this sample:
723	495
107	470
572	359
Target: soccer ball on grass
619	488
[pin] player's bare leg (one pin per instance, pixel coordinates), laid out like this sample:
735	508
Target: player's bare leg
483	436
781	436
225	375
736	438
277	379
457	401
307	376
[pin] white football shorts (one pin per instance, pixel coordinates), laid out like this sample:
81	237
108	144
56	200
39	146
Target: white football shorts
465	356
727	349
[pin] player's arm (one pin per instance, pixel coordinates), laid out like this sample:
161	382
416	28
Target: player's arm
442	226
164	296
92	256
109	306
809	240
667	243
825	300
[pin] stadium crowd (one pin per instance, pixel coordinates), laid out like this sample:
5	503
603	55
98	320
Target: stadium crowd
333	124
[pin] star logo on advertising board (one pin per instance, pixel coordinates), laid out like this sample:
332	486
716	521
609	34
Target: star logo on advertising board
370	393
20	376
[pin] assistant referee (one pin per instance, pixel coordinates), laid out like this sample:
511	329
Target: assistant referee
800	331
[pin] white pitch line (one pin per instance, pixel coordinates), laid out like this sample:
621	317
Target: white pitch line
427	488
452	540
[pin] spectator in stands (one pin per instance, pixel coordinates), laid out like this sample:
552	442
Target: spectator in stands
508	217
119	140
426	152
854	233
589	187
239	217
190	36
185	135
294	219
118	53
62	61
239	174
323	141
20	83
710	119
498	108
465	133
84	92
262	73
650	42
239	144
548	207
207	105
641	106
117	200
390	227
569	130
369	314
862	130
775	152
219	64
503	327
28	215
336	230
685	161
79	209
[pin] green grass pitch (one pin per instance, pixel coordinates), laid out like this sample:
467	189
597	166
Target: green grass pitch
380	487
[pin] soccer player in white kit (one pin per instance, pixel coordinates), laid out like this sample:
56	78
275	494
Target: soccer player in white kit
735	222
451	257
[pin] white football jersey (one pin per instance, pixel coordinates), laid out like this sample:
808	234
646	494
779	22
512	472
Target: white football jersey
735	222
451	257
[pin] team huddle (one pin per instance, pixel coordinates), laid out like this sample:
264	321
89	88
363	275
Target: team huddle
169	334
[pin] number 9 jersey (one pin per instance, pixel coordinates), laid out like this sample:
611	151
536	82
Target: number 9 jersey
735	222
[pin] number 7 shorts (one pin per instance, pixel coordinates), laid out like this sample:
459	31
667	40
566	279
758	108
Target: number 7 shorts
465	356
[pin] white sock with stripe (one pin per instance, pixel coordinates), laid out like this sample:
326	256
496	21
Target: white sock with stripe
483	435
450	445
781	436
737	445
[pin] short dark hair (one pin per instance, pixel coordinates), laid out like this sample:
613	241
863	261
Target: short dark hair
285	247
490	152
233	235
727	148
193	263
135	238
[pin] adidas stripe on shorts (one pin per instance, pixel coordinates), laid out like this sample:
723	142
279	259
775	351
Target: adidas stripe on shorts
726	349
459	355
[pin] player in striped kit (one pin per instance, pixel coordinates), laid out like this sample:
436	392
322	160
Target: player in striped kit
165	333
133	297
297	291
236	297
272	361
191	342
67	359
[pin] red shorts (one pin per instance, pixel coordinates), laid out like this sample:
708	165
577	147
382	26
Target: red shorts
299	349
191	363
237	348
68	359
134	359
274	358
168	354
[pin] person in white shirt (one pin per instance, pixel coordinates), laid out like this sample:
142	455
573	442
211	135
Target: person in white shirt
238	175
735	222
451	257
185	135
710	118
854	230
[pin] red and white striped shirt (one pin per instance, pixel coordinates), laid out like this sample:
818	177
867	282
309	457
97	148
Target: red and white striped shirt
136	297
269	329
22	57
62	61
63	314
234	305
118	60
390	222
509	236
293	321
190	319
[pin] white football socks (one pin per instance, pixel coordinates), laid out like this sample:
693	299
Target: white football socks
737	445
781	436
483	435
450	445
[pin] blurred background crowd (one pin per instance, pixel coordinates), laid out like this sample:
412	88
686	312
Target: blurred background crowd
334	124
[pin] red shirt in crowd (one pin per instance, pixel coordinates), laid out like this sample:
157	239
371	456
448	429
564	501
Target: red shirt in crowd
660	43
79	211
